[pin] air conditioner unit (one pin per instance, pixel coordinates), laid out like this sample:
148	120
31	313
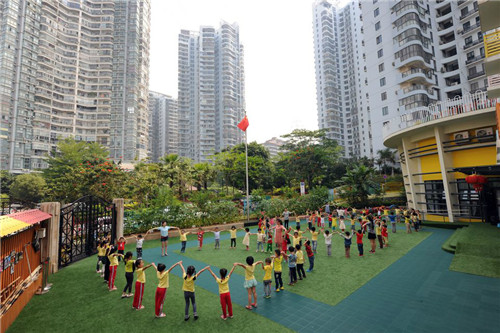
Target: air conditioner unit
461	137
484	134
459	31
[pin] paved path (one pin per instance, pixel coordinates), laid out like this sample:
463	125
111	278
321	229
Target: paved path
417	293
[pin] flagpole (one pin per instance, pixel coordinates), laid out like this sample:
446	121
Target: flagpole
246	166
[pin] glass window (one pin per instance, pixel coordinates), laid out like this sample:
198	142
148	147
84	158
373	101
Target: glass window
376	12
468	200
383	96
379	39
382	82
434	197
381	67
385	111
380	53
377	26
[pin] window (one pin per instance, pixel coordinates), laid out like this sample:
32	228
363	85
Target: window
376	12
470	55
385	111
377	26
381	67
435	199
468	40
374	1
379	39
383	96
382	82
380	53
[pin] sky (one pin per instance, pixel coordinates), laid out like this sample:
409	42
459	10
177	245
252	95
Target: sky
277	37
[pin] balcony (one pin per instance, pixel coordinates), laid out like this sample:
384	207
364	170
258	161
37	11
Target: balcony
417	75
470	28
475	75
475	59
468	14
441	110
476	42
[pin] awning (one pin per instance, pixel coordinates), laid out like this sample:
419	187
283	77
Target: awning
14	223
484	170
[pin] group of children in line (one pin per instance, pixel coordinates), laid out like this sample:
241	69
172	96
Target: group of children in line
288	244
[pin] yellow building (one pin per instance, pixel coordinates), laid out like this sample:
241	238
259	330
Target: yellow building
439	146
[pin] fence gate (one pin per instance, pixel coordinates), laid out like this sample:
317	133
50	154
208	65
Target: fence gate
82	223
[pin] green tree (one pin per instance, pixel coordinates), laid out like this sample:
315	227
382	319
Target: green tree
29	187
386	158
309	156
357	184
6	180
203	173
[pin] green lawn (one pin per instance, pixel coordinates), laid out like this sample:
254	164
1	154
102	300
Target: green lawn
334	278
80	302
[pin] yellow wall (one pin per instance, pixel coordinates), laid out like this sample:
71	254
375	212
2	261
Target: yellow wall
429	163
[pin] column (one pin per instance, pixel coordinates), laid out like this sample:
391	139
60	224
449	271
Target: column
50	244
408	166
445	164
120	210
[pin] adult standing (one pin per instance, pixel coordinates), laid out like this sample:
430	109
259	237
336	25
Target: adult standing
327	208
286	217
371	233
278	234
164	228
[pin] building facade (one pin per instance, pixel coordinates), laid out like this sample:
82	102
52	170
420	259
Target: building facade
164	126
490	25
274	145
342	104
211	94
419	53
64	65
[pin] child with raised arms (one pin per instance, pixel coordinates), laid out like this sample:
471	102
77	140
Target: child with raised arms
267	280
269	247
189	276
113	267
359	241
292	265
139	284
246	239
310	255
216	233
261	238
347	243
101	255
163	284
250	282
328	242
225	296
300	262
314	238
233	232
278	269
200	234
183	239
129	274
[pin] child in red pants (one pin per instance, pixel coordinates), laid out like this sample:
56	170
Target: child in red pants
225	296
139	284
161	290
200	238
113	266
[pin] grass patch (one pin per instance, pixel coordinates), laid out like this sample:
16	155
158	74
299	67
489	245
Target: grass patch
334	278
478	251
451	243
80	302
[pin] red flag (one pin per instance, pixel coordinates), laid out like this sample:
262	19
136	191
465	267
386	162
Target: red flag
243	125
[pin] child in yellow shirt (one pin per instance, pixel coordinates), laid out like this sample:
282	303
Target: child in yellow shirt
225	296
300	262
161	290
189	276
268	268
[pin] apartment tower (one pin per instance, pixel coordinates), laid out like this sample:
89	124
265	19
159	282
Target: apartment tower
164	126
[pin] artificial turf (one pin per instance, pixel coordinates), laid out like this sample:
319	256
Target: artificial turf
333	278
478	251
79	301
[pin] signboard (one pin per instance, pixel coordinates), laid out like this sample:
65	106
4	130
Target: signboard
302	188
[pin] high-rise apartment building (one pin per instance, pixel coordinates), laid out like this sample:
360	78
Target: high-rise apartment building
20	26
164	126
343	110
73	68
129	107
211	93
419	53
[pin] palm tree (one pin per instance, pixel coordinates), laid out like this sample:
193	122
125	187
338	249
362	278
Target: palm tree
358	181
387	157
203	173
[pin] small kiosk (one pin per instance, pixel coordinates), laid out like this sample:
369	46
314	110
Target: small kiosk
20	261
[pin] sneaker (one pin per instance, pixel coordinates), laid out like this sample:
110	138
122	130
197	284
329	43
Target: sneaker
196	317
282	288
308	271
186	318
300	278
222	317
161	315
305	276
230	317
277	290
124	295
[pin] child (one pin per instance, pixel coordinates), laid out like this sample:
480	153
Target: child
385	235
101	253
359	242
328	242
121	247
225	296
310	255
139	284
138	246
260	240
107	247
277	260
200	238
216	238
113	266
300	233
296	239
407	224
342	223
378	232
314	239
269	247
250	282
189	277
297	222
347	243
300	262
161	290
353	222
292	265
268	268
246	239
129	274
330	220
334	223
233	237
183	239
